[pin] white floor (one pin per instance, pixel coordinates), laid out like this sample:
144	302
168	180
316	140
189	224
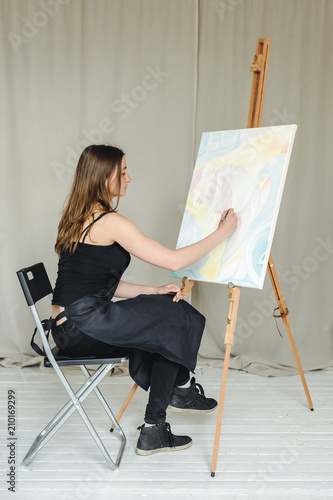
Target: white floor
272	446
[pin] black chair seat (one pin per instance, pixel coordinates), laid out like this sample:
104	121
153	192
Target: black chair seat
63	359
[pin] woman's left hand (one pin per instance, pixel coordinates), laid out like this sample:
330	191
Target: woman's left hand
170	288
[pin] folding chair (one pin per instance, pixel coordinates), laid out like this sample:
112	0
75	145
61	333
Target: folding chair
36	285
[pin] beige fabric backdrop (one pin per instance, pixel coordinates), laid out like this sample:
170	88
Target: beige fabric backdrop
151	76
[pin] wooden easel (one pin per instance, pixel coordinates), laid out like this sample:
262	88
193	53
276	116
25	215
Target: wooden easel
259	68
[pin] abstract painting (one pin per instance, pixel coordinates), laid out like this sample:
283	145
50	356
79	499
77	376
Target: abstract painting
246	170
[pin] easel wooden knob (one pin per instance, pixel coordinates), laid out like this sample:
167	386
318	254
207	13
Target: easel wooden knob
186	287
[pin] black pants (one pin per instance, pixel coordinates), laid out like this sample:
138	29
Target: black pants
165	374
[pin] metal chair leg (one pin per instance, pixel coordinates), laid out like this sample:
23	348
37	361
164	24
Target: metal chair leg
66	412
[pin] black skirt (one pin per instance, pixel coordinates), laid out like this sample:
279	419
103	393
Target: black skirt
147	323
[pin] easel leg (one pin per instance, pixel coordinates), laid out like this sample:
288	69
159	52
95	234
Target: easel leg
299	366
126	403
286	321
234	294
220	408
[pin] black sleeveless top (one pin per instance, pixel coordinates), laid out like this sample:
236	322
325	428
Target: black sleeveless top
144	324
89	270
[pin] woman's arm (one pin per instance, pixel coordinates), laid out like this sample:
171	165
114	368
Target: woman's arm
129	290
130	237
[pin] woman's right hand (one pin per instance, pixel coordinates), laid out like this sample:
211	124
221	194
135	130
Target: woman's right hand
228	223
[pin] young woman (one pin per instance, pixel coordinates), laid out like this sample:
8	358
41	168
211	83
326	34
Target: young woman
159	332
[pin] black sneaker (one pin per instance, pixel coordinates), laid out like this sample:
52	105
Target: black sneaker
159	438
191	400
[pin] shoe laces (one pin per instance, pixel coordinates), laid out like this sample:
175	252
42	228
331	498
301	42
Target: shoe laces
199	390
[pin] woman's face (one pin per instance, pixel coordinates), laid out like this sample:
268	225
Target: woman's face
124	181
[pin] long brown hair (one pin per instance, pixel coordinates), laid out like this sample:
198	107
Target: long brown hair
96	164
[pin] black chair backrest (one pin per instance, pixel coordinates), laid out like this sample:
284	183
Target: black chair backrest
35	283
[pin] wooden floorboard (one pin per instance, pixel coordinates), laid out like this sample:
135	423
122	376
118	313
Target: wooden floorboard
272	446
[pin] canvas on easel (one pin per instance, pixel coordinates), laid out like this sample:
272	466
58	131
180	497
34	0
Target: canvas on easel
244	169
